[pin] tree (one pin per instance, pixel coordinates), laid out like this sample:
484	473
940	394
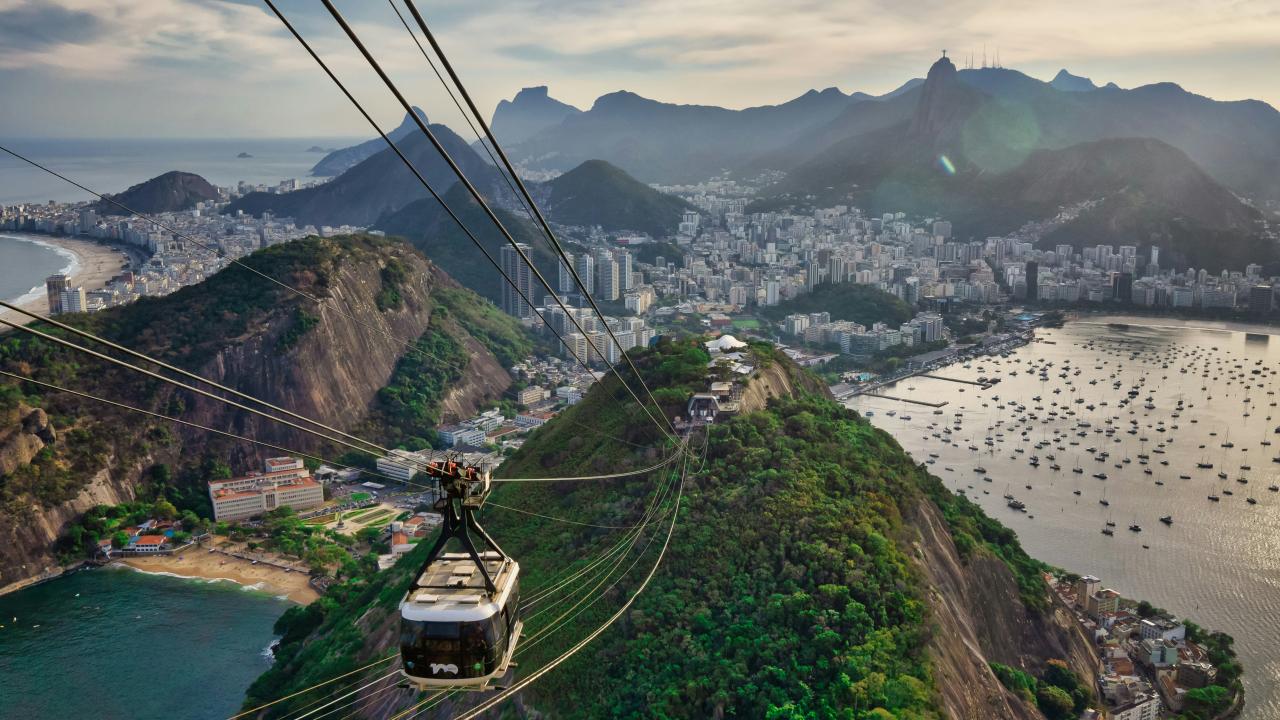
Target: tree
1146	609
320	558
1208	700
1057	673
1055	703
119	539
164	509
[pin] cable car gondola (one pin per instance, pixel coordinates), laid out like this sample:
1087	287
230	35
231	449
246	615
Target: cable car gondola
460	620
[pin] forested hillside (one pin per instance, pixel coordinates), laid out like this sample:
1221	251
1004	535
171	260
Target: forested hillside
863	304
797	583
349	361
430	229
598	193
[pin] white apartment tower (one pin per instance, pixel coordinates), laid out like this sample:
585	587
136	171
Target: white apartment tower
522	275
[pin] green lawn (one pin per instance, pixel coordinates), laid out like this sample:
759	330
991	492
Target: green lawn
360	513
360	496
377	518
746	323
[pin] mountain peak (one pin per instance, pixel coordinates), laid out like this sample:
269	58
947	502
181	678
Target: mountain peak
941	98
616	99
408	124
1067	82
941	70
530	112
598	192
537	92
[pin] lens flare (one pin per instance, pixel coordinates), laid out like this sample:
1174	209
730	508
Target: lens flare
947	166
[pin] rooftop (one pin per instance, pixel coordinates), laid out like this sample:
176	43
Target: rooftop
452	589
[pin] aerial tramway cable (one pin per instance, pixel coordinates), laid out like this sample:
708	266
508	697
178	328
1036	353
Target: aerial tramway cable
410	346
191	388
184	236
466	118
639	527
429	703
524	194
250	711
440	200
172	368
525	681
479	199
376	449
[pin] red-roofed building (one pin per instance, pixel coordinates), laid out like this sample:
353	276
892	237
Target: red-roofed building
400	543
148	543
287	483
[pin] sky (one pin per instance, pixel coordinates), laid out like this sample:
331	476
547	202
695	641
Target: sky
228	68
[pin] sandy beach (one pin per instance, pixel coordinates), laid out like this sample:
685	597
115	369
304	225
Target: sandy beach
200	563
93	267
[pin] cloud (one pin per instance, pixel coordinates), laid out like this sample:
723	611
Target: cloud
765	44
729	52
100	38
37	27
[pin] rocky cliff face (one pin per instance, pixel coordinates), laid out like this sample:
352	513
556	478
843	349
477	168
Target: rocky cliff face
324	361
333	373
775	380
28	538
26	431
978	618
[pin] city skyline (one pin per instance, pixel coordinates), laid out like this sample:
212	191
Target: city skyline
190	69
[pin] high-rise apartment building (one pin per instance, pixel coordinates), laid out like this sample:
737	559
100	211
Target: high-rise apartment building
521	275
564	278
54	285
608	285
587	271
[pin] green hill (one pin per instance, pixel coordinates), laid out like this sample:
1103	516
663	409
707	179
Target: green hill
862	304
347	362
598	193
377	185
427	227
170	192
798	582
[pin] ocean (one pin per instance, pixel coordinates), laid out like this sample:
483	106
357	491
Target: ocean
113	165
1218	563
25	262
117	643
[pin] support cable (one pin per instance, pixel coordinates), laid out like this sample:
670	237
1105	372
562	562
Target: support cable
479	199
524	193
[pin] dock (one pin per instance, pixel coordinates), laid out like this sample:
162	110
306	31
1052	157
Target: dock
955	380
907	400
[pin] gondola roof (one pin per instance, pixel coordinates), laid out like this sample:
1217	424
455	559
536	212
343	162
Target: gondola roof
452	590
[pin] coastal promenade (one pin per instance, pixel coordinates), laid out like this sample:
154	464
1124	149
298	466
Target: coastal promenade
94	266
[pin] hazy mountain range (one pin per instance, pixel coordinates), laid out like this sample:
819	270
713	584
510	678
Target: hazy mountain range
339	161
989	149
1236	142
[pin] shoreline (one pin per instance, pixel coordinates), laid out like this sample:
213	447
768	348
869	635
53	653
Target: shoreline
199	564
89	264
